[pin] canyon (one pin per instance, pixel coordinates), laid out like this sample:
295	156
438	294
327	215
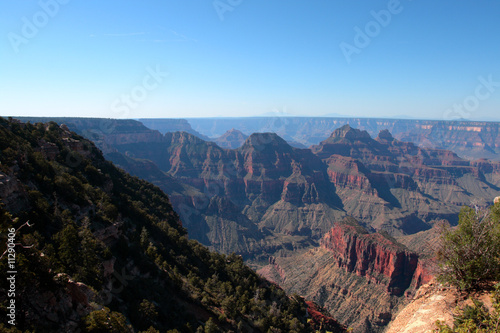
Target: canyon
342	223
362	278
97	249
469	139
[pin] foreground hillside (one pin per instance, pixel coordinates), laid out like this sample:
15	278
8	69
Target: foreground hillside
106	251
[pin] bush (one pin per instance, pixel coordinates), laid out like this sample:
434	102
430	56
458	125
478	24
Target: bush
469	256
105	320
476	319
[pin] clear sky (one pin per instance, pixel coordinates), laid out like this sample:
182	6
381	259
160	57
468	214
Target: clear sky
191	58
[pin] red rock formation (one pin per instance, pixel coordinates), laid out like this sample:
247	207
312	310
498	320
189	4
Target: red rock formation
320	320
421	276
348	172
374	257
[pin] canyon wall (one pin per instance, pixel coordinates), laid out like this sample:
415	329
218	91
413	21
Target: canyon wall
363	279
469	139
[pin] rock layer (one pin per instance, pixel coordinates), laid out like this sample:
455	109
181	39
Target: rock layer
363	279
374	257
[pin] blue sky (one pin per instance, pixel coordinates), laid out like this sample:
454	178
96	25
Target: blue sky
187	58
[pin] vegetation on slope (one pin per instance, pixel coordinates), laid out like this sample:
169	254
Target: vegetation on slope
476	318
469	259
118	235
469	255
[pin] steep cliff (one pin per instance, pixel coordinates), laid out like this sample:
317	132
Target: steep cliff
362	279
372	256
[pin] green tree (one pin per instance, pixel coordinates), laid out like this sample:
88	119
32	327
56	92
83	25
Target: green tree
147	313
154	330
469	256
68	249
210	326
105	320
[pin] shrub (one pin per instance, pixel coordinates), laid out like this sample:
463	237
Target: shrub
469	256
105	320
476	318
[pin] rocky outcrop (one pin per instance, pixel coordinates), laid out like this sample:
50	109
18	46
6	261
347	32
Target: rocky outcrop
350	173
363	279
431	303
345	141
65	306
12	193
374	257
277	268
321	321
387	177
232	139
350	134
